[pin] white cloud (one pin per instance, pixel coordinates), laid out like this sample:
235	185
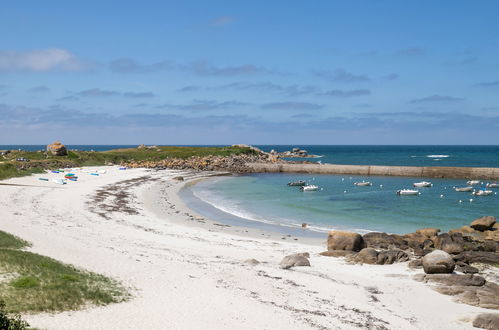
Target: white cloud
40	60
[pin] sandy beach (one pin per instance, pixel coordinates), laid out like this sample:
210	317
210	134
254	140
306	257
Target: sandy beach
187	272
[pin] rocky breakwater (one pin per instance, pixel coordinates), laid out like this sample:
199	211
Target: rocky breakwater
462	262
233	163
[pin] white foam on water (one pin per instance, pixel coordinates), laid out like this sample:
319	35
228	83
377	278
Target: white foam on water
437	156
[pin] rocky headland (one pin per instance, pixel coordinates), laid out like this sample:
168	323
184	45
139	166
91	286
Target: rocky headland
462	262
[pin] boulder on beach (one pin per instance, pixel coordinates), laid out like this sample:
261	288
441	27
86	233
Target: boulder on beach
57	149
380	240
438	262
452	244
483	223
489	321
366	256
344	240
252	262
293	260
392	256
484	257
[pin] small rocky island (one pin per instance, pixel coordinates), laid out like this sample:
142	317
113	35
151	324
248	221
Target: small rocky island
293	153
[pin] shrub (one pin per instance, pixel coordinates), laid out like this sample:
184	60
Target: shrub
13	322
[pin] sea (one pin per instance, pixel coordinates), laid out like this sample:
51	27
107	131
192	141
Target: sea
265	201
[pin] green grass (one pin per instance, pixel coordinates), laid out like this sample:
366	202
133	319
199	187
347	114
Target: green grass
10	170
8	241
41	160
30	282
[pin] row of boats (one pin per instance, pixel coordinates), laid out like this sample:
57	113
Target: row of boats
408	192
71	176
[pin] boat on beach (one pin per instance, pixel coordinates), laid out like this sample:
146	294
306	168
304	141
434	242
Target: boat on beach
473	182
311	187
408	192
492	185
463	189
59	181
422	184
483	192
300	183
363	184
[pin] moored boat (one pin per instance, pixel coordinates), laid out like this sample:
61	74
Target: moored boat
492	185
408	192
422	184
463	189
483	192
311	187
300	183
473	182
363	184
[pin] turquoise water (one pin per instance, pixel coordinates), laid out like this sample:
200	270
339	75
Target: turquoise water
339	204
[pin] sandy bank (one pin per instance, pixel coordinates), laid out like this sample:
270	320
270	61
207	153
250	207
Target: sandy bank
186	272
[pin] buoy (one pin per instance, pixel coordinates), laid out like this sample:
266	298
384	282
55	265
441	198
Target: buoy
381	186
471	200
441	196
344	191
342	179
460	201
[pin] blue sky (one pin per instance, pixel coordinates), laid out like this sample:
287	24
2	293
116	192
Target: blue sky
258	72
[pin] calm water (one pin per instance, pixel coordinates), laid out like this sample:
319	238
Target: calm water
342	205
265	198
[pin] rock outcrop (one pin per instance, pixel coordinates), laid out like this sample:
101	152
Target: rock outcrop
293	260
57	149
438	262
489	321
233	163
344	240
483	223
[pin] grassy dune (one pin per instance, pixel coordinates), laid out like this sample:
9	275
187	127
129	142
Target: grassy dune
30	282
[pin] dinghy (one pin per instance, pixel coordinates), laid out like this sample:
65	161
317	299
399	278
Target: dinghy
492	185
463	189
59	181
363	184
408	192
422	184
473	182
300	183
309	188
483	192
43	179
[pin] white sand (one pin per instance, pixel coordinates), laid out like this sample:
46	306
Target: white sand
185	274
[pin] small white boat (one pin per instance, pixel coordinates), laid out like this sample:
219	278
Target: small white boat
492	185
408	192
463	189
473	182
422	184
363	184
311	187
59	181
483	192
